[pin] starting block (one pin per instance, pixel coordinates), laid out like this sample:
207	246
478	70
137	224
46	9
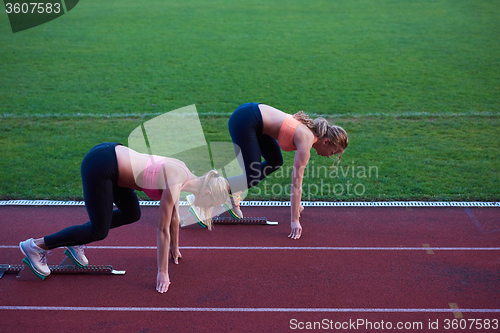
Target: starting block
67	266
245	220
191	219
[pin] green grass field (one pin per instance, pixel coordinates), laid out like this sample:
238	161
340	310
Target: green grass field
414	83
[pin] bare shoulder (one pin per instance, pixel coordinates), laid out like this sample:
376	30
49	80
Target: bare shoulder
303	137
176	171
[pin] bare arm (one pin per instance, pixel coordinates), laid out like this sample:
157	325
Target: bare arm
167	209
174	234
303	140
300	162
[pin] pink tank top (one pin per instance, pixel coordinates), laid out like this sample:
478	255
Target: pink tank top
151	174
287	131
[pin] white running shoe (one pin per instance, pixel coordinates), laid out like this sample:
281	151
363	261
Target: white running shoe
232	205
35	258
77	254
195	211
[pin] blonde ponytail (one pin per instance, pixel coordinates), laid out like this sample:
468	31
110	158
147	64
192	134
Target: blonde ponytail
218	187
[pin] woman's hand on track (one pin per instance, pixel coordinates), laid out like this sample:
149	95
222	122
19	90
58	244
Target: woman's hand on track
296	230
176	255
162	282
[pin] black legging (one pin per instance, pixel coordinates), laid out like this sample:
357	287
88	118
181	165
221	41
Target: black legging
99	176
245	126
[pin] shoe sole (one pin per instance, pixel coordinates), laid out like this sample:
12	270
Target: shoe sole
28	262
198	219
72	257
230	210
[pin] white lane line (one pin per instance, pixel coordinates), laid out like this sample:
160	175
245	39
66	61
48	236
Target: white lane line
181	309
281	203
309	248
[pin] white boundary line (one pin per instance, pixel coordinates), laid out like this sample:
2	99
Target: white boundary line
227	114
182	309
280	203
291	248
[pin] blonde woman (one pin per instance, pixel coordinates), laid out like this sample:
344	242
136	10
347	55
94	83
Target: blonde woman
259	130
111	173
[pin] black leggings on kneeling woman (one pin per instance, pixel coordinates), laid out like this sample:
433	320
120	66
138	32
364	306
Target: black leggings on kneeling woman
99	177
245	126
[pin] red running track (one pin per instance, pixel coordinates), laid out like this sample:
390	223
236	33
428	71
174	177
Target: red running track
355	269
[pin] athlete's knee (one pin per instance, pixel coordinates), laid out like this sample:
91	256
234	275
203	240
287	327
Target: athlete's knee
98	234
277	162
135	215
272	166
252	182
130	214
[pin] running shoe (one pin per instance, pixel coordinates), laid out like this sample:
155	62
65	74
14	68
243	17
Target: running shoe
232	205
77	254
36	258
195	211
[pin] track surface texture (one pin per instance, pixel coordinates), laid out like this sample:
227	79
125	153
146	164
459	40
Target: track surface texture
353	270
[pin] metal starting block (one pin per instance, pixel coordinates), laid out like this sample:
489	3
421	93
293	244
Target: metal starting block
67	266
223	217
245	220
191	219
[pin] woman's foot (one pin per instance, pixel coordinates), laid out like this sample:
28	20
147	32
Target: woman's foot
195	211
36	258
77	254
232	205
